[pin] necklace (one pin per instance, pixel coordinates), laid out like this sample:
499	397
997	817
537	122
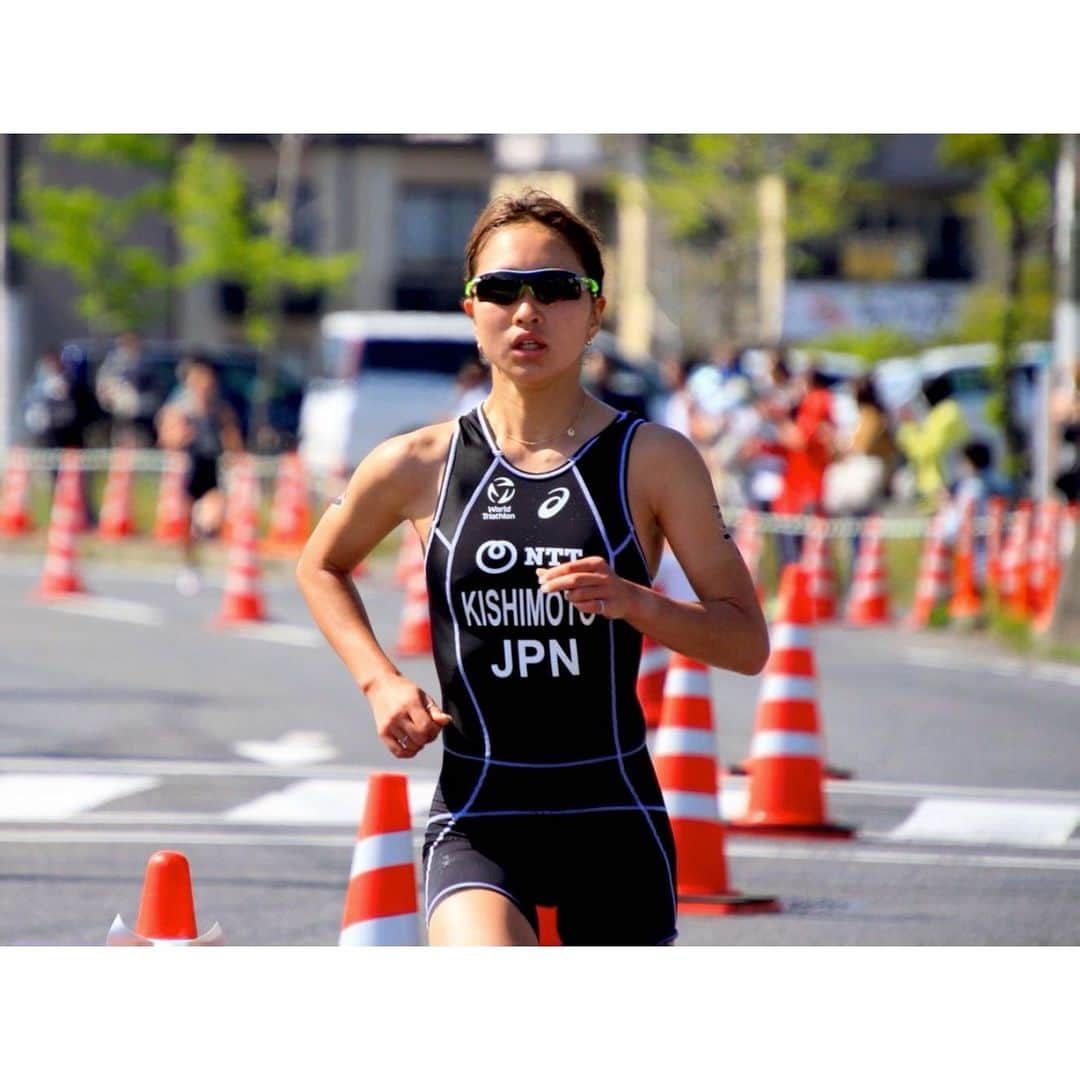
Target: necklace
569	431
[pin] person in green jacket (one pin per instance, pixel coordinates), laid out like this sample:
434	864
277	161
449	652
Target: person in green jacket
928	443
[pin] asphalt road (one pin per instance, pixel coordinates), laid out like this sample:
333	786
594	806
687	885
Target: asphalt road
131	725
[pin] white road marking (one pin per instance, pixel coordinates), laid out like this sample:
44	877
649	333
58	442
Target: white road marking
109	607
29	797
279	634
292	748
322	802
980	822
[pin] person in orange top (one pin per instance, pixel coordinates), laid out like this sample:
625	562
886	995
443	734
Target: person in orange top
807	440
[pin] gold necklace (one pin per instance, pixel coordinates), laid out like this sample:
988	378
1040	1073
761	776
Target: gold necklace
569	431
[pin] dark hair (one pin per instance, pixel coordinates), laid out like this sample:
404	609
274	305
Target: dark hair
979	454
195	358
866	393
818	379
936	390
535	205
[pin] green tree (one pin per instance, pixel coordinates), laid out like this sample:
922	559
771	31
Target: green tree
707	189
226	235
1016	181
88	234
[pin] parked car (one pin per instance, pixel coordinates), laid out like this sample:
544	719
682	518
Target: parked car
387	372
237	369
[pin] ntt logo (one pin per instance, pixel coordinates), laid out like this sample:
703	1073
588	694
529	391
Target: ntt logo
496	556
500	491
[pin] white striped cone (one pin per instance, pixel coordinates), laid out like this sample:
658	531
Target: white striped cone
15	512
60	576
380	904
172	518
410	555
414	634
933	582
1045	564
650	681
116	521
243	601
290	516
816	561
868	600
1014	562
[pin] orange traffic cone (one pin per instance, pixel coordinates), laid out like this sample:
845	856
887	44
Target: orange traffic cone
166	909
786	788
748	541
414	634
548	918
995	520
380	903
243	601
290	514
15	511
650	681
116	521
173	516
868	600
60	576
1014	562
816	562
685	757
410	555
966	604
932	582
1045	571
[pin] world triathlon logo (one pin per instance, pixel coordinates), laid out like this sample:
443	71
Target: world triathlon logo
496	556
554	503
499	492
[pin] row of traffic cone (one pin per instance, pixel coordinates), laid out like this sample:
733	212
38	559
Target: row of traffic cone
290	515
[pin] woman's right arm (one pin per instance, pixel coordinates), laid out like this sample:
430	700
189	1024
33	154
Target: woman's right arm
390	486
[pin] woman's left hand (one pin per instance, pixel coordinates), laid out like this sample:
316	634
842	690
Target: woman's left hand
590	585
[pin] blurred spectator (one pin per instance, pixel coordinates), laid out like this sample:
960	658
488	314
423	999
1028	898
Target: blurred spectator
125	389
857	483
976	484
680	410
197	420
471	386
1065	408
599	375
928	444
808	445
719	385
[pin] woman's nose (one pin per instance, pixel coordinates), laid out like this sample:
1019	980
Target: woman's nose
527	308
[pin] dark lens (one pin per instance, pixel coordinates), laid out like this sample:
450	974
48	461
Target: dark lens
498	288
551	285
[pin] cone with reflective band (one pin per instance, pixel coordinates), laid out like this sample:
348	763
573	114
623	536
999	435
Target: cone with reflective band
380	904
685	758
15	510
650	681
410	555
1045	572
116	521
243	600
60	576
932	581
1014	563
166	909
173	517
868	599
818	565
748	541
965	604
995	521
786	785
290	514
414	633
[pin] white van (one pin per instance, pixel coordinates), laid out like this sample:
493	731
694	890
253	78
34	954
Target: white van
386	372
383	372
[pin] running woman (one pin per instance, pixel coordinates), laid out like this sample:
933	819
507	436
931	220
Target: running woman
543	514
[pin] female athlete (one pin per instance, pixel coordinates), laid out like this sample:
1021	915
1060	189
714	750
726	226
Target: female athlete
543	514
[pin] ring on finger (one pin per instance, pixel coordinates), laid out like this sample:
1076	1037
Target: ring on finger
601	603
403	742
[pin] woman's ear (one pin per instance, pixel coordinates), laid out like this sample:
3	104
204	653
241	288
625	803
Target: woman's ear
467	305
599	303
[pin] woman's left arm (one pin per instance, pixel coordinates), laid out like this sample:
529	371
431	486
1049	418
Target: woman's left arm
725	627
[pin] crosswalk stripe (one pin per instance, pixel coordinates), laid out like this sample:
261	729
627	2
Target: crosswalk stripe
981	822
29	797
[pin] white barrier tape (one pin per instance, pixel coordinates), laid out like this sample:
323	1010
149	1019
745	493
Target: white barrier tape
790	636
788	688
690	806
766	744
684	682
381	851
679	741
389	930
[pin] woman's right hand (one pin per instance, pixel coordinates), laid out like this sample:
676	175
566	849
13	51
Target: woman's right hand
406	718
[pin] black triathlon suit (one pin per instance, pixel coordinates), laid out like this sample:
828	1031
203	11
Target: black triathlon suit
547	792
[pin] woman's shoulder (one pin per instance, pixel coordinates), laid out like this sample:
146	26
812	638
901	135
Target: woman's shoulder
659	446
415	452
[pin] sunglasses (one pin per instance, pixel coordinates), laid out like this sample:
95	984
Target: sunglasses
547	286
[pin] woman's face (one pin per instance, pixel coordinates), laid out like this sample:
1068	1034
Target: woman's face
531	343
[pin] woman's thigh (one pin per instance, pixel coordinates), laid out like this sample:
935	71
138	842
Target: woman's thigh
478	917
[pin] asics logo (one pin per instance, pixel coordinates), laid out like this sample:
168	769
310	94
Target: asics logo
500	491
496	556
552	505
